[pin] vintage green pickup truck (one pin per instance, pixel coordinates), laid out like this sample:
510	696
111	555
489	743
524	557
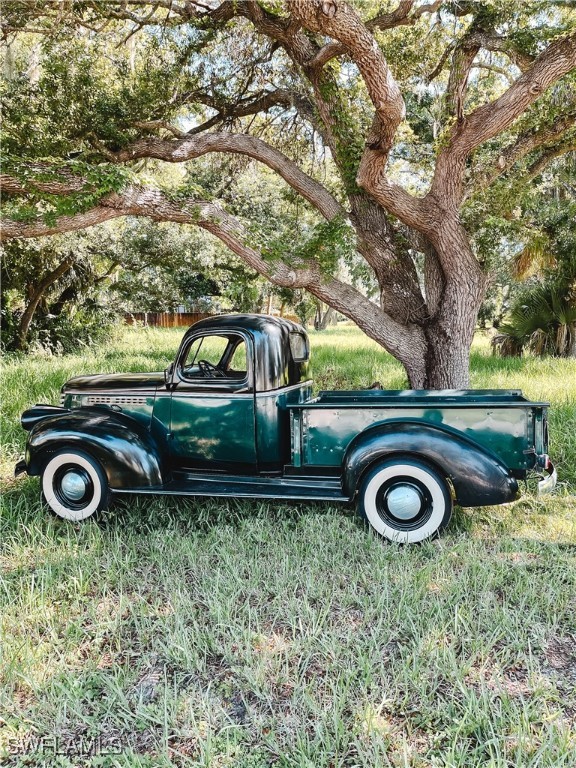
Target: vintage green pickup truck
234	416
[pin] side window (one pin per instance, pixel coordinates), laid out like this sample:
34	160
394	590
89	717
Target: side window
216	357
298	347
191	355
238	363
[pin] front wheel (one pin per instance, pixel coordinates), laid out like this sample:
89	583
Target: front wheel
74	485
405	500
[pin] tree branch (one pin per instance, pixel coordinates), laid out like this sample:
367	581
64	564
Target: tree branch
523	145
67	184
493	118
491	41
36	297
465	52
346	26
494	68
161	125
180	150
308	275
10	228
536	168
396	18
253	105
343	24
488	120
462	60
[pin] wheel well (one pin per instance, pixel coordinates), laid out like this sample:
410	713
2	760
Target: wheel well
40	461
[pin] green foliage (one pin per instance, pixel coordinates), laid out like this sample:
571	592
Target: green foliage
71	310
165	266
542	321
87	323
327	244
88	89
347	106
99	181
525	235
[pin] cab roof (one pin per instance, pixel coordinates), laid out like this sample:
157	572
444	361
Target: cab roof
244	322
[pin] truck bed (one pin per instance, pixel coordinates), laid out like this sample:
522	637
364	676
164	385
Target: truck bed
502	421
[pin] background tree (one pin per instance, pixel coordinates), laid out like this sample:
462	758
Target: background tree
50	290
166	266
67	289
542	315
100	94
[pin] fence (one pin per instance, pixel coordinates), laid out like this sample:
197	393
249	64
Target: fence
164	319
175	319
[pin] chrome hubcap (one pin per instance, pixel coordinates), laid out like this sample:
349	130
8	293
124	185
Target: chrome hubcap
73	486
404	502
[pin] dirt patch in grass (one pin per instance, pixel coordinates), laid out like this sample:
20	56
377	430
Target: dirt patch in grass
560	656
559	665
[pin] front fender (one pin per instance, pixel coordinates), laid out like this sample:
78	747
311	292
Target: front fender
127	452
479	477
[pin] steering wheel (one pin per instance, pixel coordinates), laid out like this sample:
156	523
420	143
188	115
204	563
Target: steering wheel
210	370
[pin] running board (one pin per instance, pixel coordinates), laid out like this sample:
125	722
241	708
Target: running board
240	486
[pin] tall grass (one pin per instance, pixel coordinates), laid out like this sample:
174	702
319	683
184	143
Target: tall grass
225	633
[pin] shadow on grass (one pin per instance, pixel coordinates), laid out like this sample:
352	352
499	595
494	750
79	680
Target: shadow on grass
22	505
145	513
24	516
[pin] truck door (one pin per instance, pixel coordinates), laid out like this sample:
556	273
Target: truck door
212	415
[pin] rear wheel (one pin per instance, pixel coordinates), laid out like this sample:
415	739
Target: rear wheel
74	485
405	500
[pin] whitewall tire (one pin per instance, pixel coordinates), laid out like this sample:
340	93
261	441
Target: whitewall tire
405	500
74	485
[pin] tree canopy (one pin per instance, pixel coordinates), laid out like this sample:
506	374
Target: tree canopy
394	141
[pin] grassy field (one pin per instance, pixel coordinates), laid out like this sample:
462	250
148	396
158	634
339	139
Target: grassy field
227	633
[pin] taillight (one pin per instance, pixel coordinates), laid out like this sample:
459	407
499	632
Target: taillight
544	461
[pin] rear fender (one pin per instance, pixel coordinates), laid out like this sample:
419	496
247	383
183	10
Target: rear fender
479	477
128	453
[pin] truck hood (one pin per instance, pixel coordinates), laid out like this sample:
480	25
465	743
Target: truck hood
116	382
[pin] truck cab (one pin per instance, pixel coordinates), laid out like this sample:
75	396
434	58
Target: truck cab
227	393
233	415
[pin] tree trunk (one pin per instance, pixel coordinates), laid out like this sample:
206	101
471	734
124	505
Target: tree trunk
571	346
447	358
324	319
455	286
40	291
445	364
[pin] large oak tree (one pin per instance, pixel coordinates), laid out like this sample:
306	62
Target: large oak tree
107	89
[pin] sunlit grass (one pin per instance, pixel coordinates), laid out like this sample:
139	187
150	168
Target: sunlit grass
225	633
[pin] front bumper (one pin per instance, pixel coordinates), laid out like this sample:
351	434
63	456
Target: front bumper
547	484
20	467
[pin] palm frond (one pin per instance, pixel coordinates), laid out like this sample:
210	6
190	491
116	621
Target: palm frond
534	258
542	321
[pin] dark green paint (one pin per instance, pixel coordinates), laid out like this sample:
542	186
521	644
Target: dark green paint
212	429
499	422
